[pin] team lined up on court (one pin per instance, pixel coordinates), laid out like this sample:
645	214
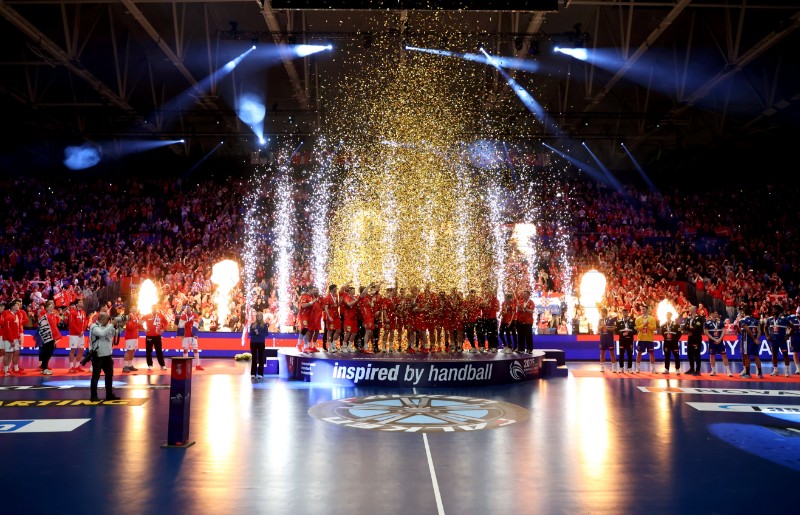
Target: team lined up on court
781	331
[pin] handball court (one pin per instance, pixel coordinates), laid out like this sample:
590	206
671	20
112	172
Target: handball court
592	443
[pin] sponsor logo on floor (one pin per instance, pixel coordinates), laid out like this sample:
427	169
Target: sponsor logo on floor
66	385
60	425
419	413
770	409
68	403
720	391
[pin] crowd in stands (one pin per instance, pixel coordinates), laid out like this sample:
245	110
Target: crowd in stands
724	247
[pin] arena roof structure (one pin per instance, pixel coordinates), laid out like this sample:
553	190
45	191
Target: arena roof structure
681	81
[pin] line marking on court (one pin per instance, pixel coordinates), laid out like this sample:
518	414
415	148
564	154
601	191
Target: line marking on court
734	407
436	493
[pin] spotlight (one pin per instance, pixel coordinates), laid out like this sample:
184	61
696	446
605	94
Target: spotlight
533	49
291	39
261	140
518	43
181	141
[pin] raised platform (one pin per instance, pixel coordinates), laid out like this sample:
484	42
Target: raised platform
410	370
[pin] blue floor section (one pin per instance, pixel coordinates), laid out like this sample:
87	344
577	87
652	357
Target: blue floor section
590	445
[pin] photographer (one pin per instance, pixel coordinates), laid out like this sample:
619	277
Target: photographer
101	346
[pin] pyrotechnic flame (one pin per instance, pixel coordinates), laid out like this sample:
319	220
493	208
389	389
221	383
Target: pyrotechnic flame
663	308
593	286
521	235
147	297
225	275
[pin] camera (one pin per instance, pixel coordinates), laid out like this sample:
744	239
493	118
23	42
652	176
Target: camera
121	319
88	357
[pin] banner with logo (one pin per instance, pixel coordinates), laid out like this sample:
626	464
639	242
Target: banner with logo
411	373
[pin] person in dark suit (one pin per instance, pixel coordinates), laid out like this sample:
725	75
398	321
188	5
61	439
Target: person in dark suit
258	335
626	329
671	331
694	327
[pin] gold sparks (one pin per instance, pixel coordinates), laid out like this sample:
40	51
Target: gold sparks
410	209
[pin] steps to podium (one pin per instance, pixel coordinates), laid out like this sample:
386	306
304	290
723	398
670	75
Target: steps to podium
555	363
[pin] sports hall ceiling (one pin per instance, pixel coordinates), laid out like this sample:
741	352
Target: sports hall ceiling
691	77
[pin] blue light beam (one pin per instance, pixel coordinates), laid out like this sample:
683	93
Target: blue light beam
590	170
611	179
505	62
526	98
639	169
251	110
189	96
306	50
82	157
194	167
578	53
88	155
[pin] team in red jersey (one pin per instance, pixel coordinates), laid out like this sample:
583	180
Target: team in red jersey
48	331
508	315
190	321
77	323
310	319
132	327
349	317
154	324
430	321
12	323
390	325
525	310
333	321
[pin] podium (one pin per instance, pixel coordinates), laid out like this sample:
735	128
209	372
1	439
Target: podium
180	397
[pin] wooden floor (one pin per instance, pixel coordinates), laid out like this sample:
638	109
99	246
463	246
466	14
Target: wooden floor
589	445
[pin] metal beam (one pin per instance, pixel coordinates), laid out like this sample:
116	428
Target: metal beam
275	29
727	72
734	67
74	65
648	42
130	5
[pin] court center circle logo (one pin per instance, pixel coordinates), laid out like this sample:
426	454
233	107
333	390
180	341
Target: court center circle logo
419	413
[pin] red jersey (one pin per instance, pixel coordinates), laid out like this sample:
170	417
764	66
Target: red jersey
76	319
523	316
305	313
489	308
508	311
366	308
473	309
53	319
59	300
155	323
389	307
316	312
10	325
432	308
69	296
348	312
188	322
330	305
132	327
